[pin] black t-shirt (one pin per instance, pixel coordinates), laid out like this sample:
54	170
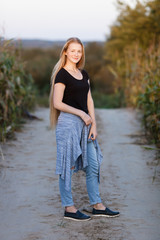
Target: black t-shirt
76	91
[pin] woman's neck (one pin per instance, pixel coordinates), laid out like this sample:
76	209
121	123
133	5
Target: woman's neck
71	67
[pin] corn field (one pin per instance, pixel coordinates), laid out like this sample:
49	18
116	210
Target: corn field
133	49
143	84
17	92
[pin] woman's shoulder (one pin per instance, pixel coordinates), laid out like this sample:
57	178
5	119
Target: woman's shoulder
60	76
61	72
85	73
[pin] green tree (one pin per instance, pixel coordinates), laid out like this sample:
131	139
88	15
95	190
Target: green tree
133	52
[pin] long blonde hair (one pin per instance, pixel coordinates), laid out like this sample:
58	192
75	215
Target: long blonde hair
54	113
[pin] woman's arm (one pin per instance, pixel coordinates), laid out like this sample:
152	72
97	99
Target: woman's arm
58	104
90	105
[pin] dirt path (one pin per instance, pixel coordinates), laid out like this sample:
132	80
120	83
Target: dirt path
30	206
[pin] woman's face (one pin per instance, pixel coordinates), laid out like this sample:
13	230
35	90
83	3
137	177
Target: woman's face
74	52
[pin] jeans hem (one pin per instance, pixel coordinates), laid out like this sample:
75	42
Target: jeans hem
93	203
67	205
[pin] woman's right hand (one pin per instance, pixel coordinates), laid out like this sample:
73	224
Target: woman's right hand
86	118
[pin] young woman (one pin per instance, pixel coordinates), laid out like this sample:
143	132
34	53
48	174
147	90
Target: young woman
72	112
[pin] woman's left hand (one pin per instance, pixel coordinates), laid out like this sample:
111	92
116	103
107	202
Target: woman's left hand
93	132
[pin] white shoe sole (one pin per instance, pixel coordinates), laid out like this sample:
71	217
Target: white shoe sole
102	215
78	220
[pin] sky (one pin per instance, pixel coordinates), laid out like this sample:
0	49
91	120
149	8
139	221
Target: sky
58	19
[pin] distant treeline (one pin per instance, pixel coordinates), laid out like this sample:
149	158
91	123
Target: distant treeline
40	63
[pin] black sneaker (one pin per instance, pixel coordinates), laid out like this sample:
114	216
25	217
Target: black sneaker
78	216
105	213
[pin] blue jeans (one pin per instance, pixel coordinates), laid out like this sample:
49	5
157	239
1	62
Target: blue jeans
92	183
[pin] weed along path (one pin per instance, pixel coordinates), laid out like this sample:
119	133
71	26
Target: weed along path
30	206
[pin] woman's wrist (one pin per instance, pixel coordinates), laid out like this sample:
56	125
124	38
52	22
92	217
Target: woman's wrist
80	113
94	122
